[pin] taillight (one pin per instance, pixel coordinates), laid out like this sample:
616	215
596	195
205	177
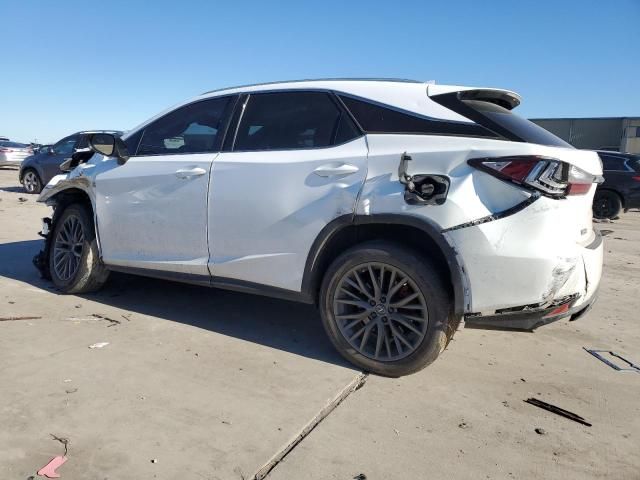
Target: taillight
5	150
637	179
549	176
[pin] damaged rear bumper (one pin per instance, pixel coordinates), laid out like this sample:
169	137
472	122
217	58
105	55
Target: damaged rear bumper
529	320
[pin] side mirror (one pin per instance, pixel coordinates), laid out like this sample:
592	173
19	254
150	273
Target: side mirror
50	150
109	145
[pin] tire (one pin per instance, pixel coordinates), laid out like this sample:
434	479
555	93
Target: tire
606	204
74	262
341	290
31	181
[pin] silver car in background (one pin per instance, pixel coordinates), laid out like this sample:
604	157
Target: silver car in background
12	153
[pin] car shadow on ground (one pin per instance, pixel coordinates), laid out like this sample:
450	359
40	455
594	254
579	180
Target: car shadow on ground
279	324
13	189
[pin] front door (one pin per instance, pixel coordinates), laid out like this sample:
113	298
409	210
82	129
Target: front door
152	211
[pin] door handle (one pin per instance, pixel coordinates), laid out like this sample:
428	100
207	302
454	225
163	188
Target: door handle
335	170
190	172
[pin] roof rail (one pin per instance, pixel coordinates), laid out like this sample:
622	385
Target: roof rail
399	80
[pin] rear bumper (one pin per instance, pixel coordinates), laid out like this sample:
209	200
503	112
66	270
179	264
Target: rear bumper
529	320
522	267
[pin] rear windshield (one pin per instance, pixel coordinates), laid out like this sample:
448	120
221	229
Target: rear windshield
500	120
12	145
520	127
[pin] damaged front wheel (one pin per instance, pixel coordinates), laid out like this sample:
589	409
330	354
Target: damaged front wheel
74	262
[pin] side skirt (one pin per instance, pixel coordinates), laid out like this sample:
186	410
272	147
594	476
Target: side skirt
217	282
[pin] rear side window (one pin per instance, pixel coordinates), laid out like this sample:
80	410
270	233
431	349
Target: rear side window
292	120
193	128
500	120
613	163
375	118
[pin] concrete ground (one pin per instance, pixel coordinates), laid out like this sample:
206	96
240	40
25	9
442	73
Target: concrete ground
207	384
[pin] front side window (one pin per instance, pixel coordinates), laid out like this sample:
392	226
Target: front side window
65	146
292	120
193	128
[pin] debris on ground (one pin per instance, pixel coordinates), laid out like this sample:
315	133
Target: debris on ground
11	319
49	470
64	441
71	390
22	199
154	460
632	367
360	476
604	233
463	425
107	319
557	410
99	345
540	431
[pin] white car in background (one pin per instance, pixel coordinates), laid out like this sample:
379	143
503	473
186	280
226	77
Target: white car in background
13	153
400	208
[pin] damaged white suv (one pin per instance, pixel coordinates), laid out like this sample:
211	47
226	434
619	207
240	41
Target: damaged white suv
400	208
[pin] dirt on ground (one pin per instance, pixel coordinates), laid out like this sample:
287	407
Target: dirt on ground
152	379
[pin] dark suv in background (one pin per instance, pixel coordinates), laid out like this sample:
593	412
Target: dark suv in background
621	187
38	169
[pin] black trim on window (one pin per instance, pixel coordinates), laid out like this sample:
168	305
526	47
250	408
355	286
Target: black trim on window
133	142
234	122
374	117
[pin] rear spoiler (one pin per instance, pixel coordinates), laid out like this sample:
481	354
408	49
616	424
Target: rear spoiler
504	98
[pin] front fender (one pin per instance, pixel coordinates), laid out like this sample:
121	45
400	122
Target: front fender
67	181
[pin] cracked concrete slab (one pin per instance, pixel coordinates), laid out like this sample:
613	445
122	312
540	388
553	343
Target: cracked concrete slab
209	384
464	417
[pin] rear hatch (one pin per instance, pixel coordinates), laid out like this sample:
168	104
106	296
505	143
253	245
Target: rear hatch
548	166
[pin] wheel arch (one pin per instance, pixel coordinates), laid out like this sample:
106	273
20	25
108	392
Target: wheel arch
29	167
59	200
348	230
614	191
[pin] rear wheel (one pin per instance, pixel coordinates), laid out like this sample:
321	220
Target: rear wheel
31	181
385	309
606	204
74	262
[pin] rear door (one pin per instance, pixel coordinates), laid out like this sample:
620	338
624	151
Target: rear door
152	211
297	163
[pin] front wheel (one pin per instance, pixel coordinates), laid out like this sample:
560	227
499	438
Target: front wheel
31	181
385	309
74	263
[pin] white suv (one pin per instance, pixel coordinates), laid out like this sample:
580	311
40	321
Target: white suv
400	208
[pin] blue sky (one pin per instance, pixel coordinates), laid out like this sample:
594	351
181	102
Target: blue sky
70	65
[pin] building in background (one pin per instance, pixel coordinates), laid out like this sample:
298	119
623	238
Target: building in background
621	134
